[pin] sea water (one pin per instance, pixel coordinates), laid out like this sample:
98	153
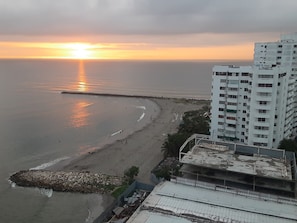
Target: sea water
40	127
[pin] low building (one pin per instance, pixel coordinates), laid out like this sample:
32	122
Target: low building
224	182
191	201
241	166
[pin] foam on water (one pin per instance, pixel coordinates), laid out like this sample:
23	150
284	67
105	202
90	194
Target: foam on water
141	117
51	163
141	107
117	132
46	192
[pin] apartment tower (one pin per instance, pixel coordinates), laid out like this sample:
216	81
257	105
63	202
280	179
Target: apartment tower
256	105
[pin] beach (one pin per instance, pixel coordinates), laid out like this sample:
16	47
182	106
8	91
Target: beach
142	148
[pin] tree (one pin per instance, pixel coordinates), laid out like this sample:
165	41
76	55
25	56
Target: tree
173	143
195	122
131	173
288	145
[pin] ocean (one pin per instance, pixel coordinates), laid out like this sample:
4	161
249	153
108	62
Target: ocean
40	126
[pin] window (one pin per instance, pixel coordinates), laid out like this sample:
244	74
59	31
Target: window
232	96
264	94
261	119
263	103
259	144
264	85
262	111
220	73
223	80
244	81
261	128
222	95
231	118
265	76
222	88
232	103
221	109
245	74
261	136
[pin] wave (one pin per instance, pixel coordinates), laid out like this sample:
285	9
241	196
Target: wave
46	192
43	191
141	107
141	117
51	163
115	133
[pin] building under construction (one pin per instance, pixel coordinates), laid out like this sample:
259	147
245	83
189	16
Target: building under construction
240	166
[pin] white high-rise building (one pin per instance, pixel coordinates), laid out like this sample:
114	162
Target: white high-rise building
256	105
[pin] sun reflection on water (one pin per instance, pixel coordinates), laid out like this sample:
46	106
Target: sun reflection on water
80	114
82	80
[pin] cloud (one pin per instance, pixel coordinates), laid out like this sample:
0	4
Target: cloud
145	17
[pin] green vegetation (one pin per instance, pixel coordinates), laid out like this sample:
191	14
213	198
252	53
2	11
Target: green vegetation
130	174
166	171
117	192
288	145
193	122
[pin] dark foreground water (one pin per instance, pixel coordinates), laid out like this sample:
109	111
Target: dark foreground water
39	126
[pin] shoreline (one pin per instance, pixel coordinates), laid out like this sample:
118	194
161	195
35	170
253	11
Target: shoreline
140	146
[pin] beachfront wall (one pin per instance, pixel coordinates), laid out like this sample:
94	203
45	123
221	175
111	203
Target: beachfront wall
120	200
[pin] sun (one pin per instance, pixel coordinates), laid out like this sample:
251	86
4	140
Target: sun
80	51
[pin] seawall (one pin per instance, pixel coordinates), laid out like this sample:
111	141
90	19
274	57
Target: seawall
128	95
82	182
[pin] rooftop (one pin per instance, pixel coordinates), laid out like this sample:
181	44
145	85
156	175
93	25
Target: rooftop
237	158
180	203
212	156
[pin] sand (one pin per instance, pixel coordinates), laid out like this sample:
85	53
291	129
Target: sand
142	148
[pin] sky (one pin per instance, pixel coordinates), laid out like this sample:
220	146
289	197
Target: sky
142	29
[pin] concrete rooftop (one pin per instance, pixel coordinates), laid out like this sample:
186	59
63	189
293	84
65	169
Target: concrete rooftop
220	157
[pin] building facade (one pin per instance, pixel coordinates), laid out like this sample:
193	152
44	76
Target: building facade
256	105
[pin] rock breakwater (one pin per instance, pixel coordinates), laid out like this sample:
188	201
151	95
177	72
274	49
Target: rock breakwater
82	182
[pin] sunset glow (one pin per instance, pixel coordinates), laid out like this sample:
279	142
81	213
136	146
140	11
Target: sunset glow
129	51
80	50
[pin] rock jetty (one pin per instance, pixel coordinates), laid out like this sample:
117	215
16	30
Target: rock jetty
82	182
